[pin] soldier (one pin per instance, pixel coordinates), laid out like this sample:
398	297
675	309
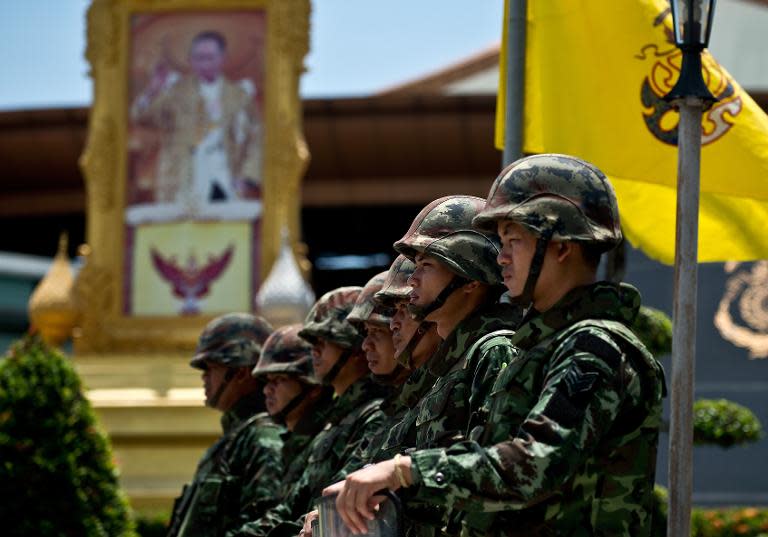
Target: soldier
570	443
242	465
338	361
295	399
456	285
372	320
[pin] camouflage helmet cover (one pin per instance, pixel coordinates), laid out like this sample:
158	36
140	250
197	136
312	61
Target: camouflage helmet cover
396	286
561	194
366	309
285	353
233	340
328	319
443	229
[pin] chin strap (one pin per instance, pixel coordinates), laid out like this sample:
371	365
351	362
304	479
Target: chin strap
214	399
390	379
281	416
421	312
331	375
525	299
405	358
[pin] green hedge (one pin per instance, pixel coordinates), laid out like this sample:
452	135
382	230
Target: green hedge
57	477
733	522
724	423
654	328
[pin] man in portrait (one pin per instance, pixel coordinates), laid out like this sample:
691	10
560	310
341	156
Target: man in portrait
210	132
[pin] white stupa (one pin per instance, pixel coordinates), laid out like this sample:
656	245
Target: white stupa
285	297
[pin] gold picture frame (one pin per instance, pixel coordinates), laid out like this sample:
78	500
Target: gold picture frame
104	326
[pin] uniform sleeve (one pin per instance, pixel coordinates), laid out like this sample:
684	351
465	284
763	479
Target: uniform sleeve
491	360
579	401
259	456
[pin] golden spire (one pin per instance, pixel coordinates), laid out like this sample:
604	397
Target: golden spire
51	307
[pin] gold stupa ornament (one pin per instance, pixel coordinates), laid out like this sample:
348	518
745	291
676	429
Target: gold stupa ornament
52	310
285	297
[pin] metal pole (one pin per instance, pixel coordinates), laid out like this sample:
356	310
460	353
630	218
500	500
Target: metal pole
684	318
513	129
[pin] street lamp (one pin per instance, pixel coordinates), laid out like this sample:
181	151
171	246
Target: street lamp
692	20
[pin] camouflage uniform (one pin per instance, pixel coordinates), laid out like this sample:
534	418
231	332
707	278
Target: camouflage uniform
572	432
243	464
286	353
470	358
376	304
355	415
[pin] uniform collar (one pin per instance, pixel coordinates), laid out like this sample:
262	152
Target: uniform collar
601	300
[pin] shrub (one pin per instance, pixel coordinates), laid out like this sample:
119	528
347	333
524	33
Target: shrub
740	522
733	522
155	525
654	328
723	423
56	473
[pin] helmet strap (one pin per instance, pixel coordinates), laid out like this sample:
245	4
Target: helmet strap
405	358
421	312
281	416
525	299
390	378
331	375
214	399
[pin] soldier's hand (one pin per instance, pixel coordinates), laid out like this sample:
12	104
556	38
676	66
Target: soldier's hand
356	501
306	531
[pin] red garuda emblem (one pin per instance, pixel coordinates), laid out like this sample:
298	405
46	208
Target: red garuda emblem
191	282
661	117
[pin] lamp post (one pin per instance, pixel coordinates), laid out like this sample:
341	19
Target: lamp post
692	20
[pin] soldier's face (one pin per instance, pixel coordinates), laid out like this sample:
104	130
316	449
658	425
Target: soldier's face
379	350
403	327
213	380
206	59
279	391
324	356
428	280
517	248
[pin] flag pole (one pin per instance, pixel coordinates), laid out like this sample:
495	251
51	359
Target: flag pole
684	317
515	81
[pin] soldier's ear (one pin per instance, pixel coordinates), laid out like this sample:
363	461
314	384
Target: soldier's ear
471	286
564	250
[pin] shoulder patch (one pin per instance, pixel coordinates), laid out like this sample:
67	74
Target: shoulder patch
599	347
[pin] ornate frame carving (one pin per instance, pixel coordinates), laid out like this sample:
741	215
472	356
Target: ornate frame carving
102	326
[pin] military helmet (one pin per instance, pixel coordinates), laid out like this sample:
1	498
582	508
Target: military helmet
557	194
366	309
328	319
396	286
443	229
285	353
233	340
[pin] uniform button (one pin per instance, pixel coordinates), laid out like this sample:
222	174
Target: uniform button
439	478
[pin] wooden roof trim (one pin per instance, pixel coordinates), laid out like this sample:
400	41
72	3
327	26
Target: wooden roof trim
436	81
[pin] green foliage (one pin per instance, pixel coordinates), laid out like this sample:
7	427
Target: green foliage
654	328
742	522
56	473
724	423
734	522
152	525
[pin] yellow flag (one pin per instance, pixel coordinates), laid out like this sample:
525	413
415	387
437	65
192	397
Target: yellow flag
596	72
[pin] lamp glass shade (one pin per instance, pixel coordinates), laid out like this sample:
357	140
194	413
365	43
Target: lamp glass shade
692	21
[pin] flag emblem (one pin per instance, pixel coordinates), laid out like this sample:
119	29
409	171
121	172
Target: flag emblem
660	117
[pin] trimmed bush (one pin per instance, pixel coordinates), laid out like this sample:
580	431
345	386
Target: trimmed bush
740	522
56	472
155	525
654	328
724	423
